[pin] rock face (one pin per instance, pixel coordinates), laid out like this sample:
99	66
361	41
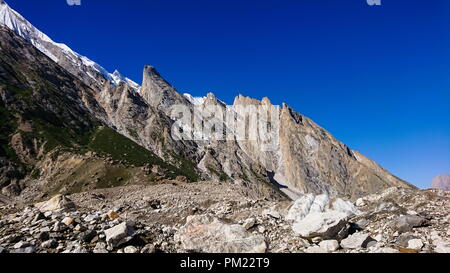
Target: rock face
206	234
441	182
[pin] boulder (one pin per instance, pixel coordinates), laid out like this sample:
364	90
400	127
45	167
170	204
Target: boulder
415	244
57	203
357	240
119	234
310	203
329	245
406	223
326	225
203	233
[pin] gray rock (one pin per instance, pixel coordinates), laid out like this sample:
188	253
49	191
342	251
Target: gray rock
356	240
49	244
329	245
149	248
326	225
207	234
119	234
249	223
408	222
130	250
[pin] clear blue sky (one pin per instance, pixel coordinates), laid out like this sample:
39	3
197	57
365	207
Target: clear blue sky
377	77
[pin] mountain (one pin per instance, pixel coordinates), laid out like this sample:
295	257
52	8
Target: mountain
441	182
87	70
105	116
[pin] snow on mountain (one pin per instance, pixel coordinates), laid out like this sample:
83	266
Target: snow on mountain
194	100
59	53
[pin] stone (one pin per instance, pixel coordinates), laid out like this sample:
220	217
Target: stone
155	204
88	235
327	225
112	215
39	216
21	244
26	250
415	244
43	236
149	248
329	245
119	234
441	246
68	221
408	222
57	203
130	249
388	250
207	234
356	240
315	249
249	223
49	244
100	248
272	213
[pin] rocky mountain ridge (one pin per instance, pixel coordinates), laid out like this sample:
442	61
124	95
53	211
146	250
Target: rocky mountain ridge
441	182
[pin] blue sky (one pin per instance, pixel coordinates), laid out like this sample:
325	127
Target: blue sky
377	77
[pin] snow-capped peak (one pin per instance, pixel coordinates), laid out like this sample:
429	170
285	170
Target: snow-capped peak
59	53
194	100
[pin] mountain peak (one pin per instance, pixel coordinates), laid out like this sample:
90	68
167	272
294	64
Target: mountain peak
91	73
441	182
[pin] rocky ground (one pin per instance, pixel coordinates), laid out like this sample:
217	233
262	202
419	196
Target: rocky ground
219	217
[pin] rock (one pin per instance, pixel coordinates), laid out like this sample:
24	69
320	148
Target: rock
112	215
43	236
49	244
249	223
408	222
100	248
130	249
149	248
39	216
315	249
388	250
362	223
441	246
87	236
119	234
26	250
360	202
272	213
155	204
415	244
403	240
329	245
57	203
356	240
203	233
21	244
326	225
68	221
